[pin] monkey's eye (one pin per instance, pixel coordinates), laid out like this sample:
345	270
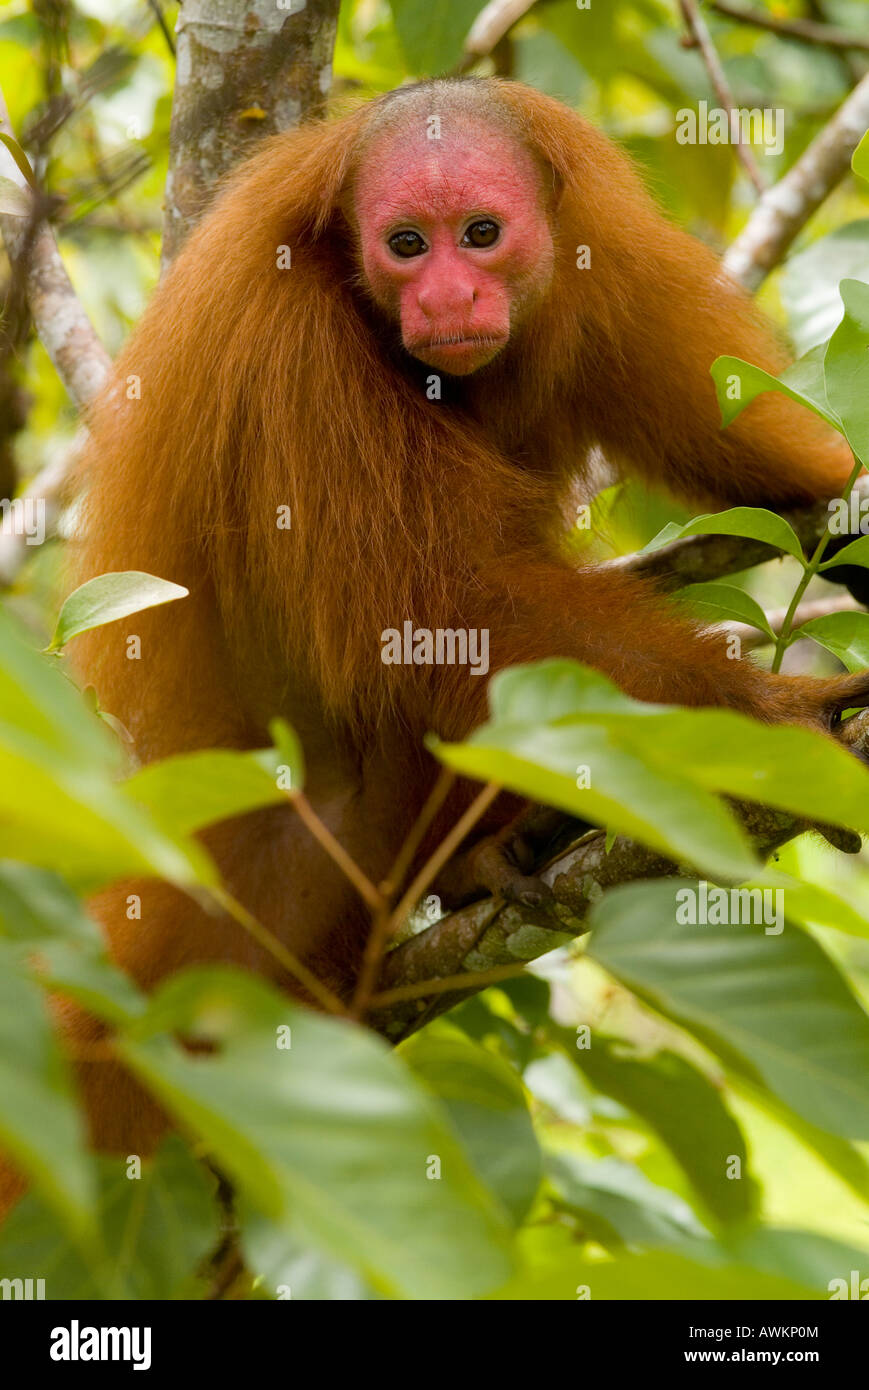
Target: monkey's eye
407	244
481	234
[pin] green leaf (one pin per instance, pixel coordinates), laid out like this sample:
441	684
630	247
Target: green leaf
663	1090
556	716
619	1206
192	790
775	1006
20	158
486	1103
332	1137
855	553
810	283
656	806
286	1268
739	383
860	157
846	367
60	807
717	603
671	532
754	522
109	597
846	635
156	1231
40	1123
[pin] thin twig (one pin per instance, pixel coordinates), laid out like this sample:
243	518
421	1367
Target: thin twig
157	9
804	30
702	38
436	798
381	927
336	851
386	924
270	943
471	980
445	850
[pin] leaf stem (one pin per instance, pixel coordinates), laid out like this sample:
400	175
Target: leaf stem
810	569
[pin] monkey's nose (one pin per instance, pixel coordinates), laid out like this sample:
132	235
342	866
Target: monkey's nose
447	302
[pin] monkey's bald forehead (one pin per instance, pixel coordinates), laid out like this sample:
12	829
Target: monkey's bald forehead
440	105
406	173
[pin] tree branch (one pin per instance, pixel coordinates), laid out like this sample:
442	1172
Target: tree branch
246	69
491	934
695	559
804	30
784	209
492	24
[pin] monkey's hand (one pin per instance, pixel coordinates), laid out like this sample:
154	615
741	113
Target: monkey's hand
503	864
820	702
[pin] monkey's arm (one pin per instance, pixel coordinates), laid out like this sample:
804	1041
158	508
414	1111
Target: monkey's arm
653	401
536	609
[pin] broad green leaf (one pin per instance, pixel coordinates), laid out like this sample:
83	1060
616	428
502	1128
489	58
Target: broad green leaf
35	904
754	522
285	1268
846	367
657	806
810	283
815	1260
109	597
716	603
557	689
779	765
846	635
774	1005
856	553
818	903
156	1229
739	383
664	1090
619	1206
59	804
332	1136
860	157
80	824
191	790
487	1105
41	1127
671	532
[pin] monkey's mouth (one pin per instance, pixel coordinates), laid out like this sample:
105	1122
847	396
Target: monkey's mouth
458	355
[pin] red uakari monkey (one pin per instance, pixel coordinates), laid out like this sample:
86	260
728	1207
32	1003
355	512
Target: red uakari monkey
423	246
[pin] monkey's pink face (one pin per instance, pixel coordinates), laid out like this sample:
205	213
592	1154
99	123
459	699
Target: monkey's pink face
455	242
